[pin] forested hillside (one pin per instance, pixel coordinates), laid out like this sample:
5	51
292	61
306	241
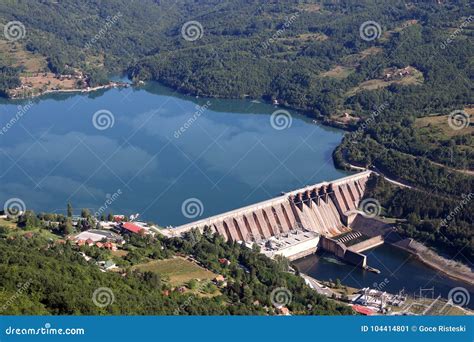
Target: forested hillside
42	278
393	88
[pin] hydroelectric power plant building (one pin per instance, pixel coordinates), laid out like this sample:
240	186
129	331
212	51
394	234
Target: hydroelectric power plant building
295	224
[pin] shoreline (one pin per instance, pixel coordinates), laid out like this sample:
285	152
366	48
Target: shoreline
438	262
74	90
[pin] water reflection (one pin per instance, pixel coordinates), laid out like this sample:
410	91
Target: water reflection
228	157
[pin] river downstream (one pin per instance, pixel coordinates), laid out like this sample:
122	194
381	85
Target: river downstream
153	151
399	270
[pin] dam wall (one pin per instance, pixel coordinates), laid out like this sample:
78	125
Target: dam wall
323	208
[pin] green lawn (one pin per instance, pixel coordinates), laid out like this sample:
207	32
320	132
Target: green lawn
177	271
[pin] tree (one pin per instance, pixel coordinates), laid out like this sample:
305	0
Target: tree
69	210
85	213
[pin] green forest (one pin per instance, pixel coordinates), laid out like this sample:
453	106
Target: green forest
42	276
308	55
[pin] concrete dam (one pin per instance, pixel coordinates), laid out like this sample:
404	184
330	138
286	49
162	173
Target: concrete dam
325	209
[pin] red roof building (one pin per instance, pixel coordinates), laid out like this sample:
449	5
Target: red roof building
119	218
110	245
363	310
131	227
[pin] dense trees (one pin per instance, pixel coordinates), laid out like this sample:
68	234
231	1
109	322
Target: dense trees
8	78
49	273
439	221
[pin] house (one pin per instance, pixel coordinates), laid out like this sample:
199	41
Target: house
90	242
99	244
119	218
107	265
362	310
220	280
284	311
224	261
129	227
110	246
98	235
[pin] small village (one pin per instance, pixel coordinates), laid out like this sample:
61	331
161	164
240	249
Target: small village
40	83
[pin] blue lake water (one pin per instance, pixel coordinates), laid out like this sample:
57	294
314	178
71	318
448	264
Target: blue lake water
162	149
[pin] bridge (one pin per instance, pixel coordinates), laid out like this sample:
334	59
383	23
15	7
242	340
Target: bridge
325	208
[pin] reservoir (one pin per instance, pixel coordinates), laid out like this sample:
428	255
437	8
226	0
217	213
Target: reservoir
154	151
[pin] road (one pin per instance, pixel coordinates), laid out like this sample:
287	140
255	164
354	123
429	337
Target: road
319	288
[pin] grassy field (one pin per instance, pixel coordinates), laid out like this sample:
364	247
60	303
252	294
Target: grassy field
416	77
438	127
177	271
14	54
339	72
7	223
354	59
15	231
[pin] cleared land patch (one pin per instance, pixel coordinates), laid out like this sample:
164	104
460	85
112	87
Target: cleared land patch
339	72
438	126
409	76
178	271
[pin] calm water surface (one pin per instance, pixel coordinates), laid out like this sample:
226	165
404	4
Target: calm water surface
399	270
229	156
